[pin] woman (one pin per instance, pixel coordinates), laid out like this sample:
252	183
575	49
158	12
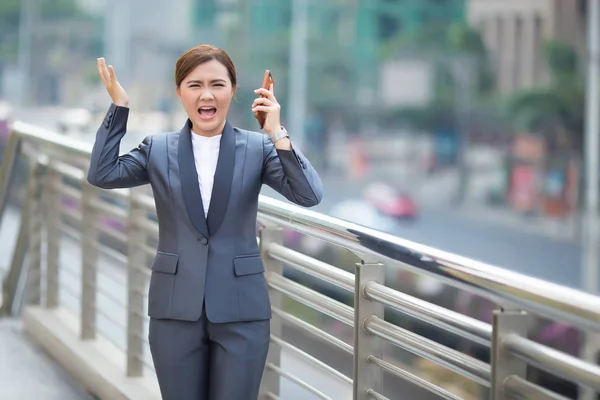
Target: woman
208	302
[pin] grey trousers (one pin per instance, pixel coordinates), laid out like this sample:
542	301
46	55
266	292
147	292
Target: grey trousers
205	361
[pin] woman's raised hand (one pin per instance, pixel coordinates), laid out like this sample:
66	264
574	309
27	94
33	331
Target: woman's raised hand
113	87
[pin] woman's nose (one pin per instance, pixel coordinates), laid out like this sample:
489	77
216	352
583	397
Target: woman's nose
206	95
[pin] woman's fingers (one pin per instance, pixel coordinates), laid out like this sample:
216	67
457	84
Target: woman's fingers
113	75
264	104
262	108
262	101
101	66
114	89
266	93
105	74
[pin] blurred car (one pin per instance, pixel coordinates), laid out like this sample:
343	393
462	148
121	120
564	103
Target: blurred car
363	213
391	202
75	122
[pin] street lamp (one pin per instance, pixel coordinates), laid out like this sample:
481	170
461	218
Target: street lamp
592	146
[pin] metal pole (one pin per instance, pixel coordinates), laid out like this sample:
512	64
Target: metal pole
592	146
117	38
298	72
462	69
590	245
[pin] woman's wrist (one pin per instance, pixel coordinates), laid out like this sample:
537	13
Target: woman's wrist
121	103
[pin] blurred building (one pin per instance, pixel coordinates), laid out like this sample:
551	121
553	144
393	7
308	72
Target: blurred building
143	40
515	31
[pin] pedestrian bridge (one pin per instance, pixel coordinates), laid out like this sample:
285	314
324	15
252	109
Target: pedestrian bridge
76	278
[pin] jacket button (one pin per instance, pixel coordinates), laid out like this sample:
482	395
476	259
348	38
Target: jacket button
203	241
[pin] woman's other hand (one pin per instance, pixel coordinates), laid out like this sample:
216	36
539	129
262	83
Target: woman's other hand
269	105
113	87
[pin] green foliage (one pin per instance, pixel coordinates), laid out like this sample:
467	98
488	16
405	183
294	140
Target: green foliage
58	9
556	109
561	59
439	114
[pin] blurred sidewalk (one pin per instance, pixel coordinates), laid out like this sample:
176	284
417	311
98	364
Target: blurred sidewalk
26	372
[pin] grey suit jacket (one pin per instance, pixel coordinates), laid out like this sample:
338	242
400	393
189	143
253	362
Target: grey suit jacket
216	259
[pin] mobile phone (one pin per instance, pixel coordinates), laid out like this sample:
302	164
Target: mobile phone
266	84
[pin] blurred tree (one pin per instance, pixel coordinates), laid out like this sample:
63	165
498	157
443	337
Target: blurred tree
448	47
557	109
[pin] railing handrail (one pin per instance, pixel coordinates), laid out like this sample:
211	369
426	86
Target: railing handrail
497	284
500	285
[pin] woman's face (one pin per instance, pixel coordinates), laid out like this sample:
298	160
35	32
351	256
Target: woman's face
206	94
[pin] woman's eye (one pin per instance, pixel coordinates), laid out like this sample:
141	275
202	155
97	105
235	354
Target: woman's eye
219	85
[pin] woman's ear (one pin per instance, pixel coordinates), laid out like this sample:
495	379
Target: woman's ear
178	91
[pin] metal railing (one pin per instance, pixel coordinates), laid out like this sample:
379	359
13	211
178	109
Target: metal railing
117	254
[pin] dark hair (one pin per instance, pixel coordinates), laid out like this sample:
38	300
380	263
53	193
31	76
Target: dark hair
195	56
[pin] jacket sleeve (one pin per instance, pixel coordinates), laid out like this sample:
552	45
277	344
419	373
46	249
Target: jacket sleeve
291	174
107	169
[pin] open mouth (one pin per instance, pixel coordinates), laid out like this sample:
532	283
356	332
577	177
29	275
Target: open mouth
207	112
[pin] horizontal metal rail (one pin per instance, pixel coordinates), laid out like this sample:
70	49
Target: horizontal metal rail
454	360
554	361
527	390
412	378
454	322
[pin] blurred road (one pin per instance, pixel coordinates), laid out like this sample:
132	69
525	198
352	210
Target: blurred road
528	253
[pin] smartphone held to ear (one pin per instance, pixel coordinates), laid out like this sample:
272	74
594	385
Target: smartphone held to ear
266	84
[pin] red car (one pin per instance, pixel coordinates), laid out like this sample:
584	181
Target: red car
390	201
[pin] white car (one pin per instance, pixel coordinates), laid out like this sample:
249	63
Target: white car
75	122
362	213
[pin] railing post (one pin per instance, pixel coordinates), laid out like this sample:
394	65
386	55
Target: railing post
136	258
7	167
590	353
53	219
504	364
34	220
366	375
11	280
271	380
89	257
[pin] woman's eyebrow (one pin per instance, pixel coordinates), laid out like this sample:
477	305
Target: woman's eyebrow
212	81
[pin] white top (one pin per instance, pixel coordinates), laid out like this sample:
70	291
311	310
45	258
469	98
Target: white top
206	155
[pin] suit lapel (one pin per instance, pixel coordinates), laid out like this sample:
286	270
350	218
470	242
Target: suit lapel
189	181
223	180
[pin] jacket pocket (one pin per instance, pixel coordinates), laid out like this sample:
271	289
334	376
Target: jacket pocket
248	265
165	263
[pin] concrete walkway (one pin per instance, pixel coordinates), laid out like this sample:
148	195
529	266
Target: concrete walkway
27	373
